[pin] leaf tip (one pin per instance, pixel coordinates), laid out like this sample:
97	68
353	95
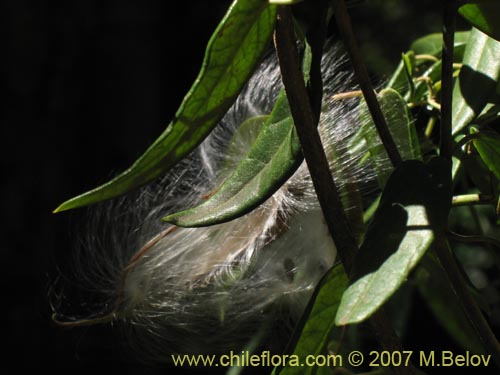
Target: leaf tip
65	206
172	219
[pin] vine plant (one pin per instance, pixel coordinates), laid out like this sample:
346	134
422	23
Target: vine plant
448	80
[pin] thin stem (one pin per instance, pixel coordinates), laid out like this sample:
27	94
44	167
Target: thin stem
469	304
316	160
347	95
473	239
426	57
345	29
449	21
430	127
312	148
107	318
471	199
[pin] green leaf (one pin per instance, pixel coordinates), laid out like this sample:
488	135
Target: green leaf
284	2
477	80
427	45
273	158
398	80
400	125
484	16
432	44
409	64
313	333
231	55
433	75
488	147
241	142
413	208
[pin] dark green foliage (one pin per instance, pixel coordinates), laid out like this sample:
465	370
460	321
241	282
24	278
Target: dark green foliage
414	212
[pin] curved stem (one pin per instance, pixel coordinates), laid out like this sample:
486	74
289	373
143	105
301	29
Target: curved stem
473	239
468	138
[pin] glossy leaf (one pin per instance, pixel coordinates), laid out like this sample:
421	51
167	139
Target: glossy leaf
478	79
432	44
484	16
488	147
427	45
413	208
319	320
476	168
273	158
232	53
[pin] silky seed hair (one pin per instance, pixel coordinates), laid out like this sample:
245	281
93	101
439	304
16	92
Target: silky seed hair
215	289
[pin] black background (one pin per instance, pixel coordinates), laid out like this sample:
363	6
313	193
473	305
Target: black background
87	86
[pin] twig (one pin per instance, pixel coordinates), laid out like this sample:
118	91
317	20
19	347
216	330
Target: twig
472	199
473	239
469	304
347	95
345	29
310	140
449	21
316	160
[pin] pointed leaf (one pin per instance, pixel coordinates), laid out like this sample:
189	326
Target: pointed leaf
477	80
413	208
232	53
319	320
273	158
484	16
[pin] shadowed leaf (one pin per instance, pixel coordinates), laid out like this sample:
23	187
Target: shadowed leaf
477	80
315	329
488	146
444	303
414	206
432	44
484	16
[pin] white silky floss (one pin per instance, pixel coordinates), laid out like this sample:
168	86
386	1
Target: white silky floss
211	289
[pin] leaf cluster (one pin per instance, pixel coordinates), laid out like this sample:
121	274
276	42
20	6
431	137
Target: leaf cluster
423	199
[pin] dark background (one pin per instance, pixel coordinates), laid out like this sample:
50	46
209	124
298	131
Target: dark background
87	86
